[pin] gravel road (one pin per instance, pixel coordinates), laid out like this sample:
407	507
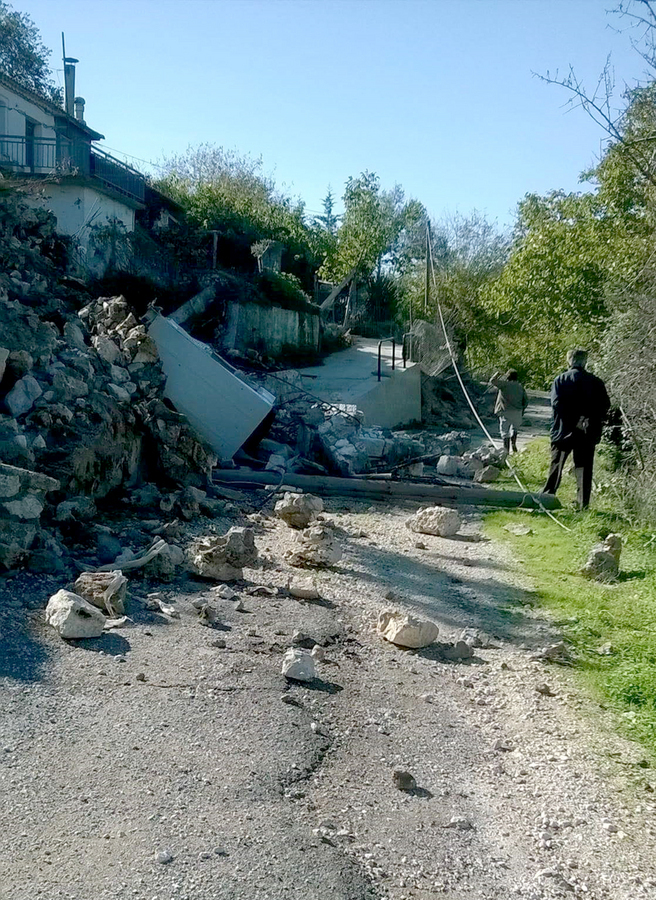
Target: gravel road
171	761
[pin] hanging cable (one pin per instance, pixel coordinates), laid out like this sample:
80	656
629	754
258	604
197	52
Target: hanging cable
454	363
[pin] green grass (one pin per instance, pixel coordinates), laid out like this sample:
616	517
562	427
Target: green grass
590	614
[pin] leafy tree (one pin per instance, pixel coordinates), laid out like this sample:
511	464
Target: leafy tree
231	194
23	55
551	293
328	221
375	228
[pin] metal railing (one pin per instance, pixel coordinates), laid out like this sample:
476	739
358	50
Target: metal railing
117	175
408	334
45	156
380	350
36	155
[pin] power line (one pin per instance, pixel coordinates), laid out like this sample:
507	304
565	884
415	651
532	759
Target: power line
454	363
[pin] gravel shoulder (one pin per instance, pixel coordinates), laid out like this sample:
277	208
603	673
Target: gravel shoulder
165	760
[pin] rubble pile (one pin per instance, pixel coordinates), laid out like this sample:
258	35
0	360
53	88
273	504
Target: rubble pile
81	412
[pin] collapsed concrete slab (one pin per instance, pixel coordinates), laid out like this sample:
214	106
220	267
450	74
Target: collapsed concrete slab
218	403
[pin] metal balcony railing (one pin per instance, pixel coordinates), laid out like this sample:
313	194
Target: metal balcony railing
45	156
117	175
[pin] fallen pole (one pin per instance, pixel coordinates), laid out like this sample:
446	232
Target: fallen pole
475	495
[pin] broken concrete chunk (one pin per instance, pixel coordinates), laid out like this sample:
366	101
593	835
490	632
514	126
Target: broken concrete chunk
439	520
315	546
21	397
298	665
106	590
222	558
487	474
28	507
303	589
447	465
298	510
405	630
603	563
73	616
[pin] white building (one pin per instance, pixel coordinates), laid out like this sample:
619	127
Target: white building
83	186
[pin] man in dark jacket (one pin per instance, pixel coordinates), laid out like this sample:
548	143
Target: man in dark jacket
579	403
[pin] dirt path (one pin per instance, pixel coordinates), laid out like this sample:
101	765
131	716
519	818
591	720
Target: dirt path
171	761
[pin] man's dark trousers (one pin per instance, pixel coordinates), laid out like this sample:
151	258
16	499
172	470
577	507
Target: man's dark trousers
583	451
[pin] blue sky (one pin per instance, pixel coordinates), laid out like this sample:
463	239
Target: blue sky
436	95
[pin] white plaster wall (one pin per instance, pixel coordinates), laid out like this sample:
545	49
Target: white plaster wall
269	328
78	208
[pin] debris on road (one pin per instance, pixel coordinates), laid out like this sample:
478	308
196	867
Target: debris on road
405	630
438	520
298	665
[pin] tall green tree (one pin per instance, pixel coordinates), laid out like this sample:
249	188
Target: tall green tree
23	55
374	229
551	293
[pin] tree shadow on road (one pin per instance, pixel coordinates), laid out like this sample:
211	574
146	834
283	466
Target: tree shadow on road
424	587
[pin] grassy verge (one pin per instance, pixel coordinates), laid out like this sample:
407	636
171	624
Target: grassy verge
611	628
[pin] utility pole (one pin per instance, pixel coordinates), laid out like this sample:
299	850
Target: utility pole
427	277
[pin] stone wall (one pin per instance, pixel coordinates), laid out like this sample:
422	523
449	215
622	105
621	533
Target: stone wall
269	329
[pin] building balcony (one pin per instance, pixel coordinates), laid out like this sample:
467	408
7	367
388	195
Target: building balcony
63	157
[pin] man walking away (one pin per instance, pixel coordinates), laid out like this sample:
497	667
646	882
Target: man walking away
510	405
579	404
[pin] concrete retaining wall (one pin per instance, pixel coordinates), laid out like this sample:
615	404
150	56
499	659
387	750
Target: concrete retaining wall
393	401
269	329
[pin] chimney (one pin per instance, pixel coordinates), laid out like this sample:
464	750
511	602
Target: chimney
79	109
69	83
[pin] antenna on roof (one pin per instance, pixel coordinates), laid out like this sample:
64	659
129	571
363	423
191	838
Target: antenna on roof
69	79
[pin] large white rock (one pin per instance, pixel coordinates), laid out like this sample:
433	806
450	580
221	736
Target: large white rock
405	630
298	665
298	510
439	520
73	616
315	546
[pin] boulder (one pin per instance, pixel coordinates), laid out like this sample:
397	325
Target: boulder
222	558
487	474
106	590
73	616
603	563
163	566
298	665
405	630
298	510
77	509
21	397
447	465
316	546
304	589
439	520
4	355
